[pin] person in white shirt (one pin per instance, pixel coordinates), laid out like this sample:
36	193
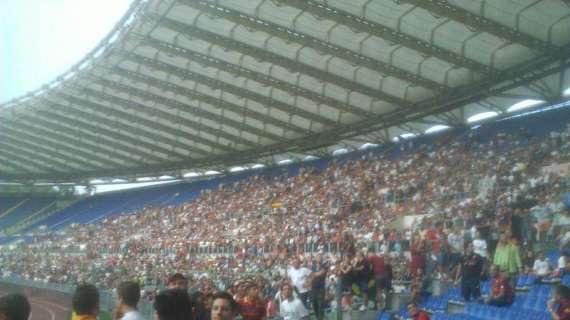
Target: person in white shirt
541	267
291	308
298	276
480	245
128	295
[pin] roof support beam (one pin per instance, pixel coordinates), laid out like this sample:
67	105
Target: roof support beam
240	71
138	77
9	162
185	74
34	159
96	133
292	65
309	41
56	132
52	148
445	9
130	121
386	33
185	107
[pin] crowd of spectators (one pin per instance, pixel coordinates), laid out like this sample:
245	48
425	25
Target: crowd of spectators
299	236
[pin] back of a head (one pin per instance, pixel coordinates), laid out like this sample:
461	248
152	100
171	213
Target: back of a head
563	291
85	300
130	293
173	304
15	307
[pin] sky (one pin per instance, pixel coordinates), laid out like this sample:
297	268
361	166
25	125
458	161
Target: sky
41	39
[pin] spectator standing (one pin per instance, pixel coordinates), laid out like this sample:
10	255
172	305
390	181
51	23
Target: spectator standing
128	295
252	307
14	307
470	269
224	307
291	307
298	275
317	284
173	304
85	302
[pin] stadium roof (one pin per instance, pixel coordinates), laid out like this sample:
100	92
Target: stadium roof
189	85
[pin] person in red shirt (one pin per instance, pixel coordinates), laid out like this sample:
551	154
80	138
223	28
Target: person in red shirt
416	313
252	307
562	297
417	250
502	294
381	276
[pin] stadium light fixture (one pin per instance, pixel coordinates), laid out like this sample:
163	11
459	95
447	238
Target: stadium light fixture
340	151
211	172
482	116
258	166
524	104
310	158
97	181
368	145
145	179
191	175
407	135
566	92
284	162
237	169
165	178
437	128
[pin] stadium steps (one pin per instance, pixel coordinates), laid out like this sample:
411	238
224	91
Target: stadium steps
50	208
13	208
45	212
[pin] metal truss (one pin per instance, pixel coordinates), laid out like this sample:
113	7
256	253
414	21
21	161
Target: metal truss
308	41
156	64
294	66
34	159
58	132
239	71
117	140
131	123
54	148
183	107
386	33
444	9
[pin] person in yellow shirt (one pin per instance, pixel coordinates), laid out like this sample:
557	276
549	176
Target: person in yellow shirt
85	302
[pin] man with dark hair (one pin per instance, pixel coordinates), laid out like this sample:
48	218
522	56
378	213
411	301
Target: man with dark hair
177	281
562	298
416	313
14	307
173	304
85	302
128	295
470	270
224	307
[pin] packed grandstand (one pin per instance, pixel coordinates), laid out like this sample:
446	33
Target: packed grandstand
458	209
